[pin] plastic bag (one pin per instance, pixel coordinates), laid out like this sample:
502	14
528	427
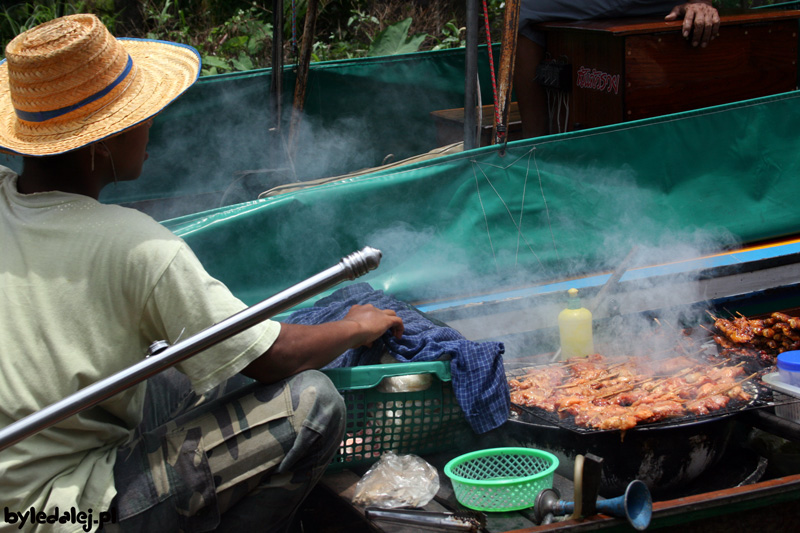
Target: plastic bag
397	481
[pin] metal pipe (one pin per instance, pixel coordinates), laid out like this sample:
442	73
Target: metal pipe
471	74
772	423
276	77
611	282
508	52
301	80
351	267
462	520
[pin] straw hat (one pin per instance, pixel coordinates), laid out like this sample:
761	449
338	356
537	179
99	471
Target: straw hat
68	83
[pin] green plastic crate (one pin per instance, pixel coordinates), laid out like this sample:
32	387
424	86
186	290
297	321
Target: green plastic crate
418	422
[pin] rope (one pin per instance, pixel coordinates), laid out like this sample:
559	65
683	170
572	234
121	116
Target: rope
498	119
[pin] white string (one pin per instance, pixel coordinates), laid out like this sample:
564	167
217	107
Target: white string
530	154
544	201
522	207
555	103
559	97
479	125
485	218
111	158
510	215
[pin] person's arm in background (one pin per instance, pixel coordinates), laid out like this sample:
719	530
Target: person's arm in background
700	21
302	347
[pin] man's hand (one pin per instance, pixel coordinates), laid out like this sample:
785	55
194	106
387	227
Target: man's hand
373	323
700	21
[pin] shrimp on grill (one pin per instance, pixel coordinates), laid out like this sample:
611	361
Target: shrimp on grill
615	417
657	410
762	338
620	395
572	404
737	393
793	321
533	398
724	372
630	397
736	330
707	404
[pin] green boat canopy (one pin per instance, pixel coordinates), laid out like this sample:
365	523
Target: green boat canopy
467	223
551	208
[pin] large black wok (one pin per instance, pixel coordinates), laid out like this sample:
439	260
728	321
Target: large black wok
664	457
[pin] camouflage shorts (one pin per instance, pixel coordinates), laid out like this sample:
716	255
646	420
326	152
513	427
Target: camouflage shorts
243	454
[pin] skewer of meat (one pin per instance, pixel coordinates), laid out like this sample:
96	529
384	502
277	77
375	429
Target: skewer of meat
730	389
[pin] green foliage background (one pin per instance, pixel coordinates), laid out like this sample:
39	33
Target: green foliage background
237	34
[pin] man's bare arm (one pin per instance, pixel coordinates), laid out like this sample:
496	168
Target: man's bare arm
301	347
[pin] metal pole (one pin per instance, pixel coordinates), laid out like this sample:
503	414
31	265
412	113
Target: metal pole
471	75
508	52
277	156
351	267
276	78
301	80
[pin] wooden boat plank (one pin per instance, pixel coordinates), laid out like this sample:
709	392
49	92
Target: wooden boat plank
638	25
767	503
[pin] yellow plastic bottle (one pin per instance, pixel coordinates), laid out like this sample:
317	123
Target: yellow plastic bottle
575	328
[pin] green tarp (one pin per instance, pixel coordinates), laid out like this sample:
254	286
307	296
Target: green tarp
357	114
547	209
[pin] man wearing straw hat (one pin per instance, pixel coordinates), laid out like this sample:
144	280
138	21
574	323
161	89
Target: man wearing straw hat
86	287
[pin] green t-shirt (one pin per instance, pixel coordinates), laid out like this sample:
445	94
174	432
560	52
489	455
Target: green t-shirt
84	289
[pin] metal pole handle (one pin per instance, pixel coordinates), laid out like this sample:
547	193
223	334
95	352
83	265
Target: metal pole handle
351	267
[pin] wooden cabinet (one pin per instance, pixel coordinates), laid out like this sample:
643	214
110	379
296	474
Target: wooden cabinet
631	69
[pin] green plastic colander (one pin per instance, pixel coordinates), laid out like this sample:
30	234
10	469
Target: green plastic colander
501	479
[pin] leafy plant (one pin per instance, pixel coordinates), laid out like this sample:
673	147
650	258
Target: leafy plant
360	19
214	65
395	40
352	39
333	49
241	43
453	36
167	22
236	35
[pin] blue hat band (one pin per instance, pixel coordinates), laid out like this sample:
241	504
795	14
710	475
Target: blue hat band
44	116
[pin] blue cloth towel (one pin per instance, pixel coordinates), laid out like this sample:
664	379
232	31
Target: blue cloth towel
479	380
